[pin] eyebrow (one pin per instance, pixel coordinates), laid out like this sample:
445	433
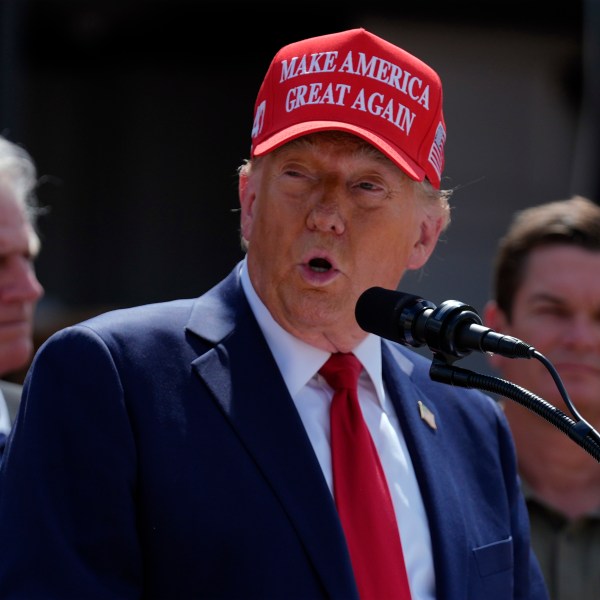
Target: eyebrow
546	297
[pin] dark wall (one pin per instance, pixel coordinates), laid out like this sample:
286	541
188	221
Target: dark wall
138	114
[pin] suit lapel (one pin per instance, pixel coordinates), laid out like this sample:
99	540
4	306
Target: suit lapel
440	491
247	385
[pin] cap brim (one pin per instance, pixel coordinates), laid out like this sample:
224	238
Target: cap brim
405	163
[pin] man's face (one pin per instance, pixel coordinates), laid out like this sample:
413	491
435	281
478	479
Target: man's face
324	222
557	310
19	288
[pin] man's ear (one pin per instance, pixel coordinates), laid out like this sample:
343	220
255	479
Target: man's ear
247	196
431	228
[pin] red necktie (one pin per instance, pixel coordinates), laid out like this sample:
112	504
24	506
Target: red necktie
360	489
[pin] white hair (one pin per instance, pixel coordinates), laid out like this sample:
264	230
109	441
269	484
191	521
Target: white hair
18	173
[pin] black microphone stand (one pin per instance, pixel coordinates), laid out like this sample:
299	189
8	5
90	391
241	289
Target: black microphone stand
581	432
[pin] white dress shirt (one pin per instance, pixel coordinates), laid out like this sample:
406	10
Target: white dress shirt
4	415
299	364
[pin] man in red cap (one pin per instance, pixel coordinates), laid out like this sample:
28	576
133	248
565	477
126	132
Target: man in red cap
255	442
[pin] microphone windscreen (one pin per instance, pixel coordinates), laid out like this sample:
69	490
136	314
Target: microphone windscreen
378	310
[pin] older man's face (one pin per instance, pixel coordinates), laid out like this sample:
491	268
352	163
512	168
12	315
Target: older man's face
19	288
324	222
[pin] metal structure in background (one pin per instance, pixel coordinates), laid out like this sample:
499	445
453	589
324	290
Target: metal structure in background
587	156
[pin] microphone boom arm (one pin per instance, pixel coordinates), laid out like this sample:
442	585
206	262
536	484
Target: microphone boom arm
578	431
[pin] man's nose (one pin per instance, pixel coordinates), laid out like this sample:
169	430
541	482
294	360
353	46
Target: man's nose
20	282
327	212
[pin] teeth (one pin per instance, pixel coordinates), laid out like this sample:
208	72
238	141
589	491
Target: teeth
320	265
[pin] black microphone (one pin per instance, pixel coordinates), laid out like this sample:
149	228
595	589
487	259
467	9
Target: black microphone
453	328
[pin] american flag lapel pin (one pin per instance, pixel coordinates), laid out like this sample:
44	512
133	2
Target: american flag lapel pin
427	415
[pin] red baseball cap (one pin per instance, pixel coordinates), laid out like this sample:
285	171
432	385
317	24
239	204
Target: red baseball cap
357	82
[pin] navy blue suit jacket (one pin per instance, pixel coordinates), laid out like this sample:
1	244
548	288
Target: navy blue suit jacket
158	454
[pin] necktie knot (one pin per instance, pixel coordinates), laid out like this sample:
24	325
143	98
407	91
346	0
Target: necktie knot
341	371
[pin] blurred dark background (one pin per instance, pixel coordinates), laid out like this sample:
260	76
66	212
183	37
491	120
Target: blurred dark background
138	114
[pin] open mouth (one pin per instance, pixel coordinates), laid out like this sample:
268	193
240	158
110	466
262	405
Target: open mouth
320	265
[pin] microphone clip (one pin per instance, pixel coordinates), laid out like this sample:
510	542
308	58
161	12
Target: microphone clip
444	328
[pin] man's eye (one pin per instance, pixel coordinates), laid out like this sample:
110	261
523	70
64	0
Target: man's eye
553	311
295	173
372	188
295	183
367	185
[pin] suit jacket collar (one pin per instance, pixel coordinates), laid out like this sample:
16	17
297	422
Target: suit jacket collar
243	377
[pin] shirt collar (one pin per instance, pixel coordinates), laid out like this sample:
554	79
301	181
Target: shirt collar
299	361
